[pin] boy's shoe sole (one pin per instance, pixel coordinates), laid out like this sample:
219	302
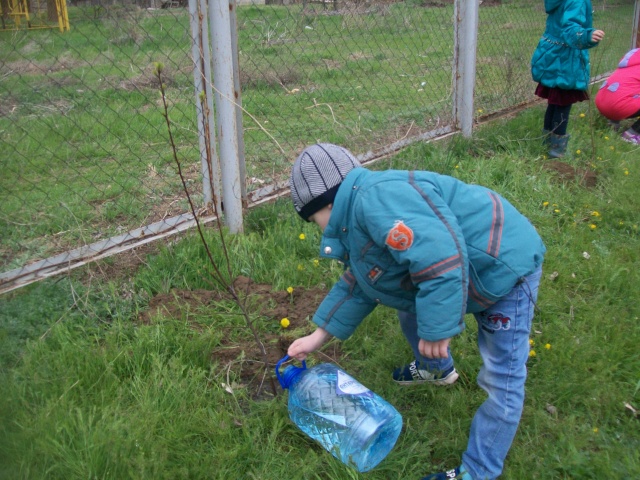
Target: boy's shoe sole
411	375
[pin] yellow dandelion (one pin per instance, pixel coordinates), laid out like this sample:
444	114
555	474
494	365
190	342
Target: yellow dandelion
284	323
626	172
595	213
621	223
599	158
582	115
532	342
593	226
545	204
300	267
578	152
302	236
480	110
606	138
289	290
612	147
532	353
557	210
457	166
548	346
595	430
316	263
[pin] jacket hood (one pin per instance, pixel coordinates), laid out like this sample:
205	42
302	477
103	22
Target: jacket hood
631	59
551	5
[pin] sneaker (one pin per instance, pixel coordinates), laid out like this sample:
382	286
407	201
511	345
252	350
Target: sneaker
631	137
458	473
411	375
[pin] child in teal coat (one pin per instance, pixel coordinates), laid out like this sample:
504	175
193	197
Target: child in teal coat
560	65
435	249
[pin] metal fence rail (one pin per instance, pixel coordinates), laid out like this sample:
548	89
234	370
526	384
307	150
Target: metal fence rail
85	159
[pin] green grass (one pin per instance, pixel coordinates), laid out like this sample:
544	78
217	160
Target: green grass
89	392
85	151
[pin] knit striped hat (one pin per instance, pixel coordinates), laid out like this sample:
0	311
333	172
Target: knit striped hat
316	175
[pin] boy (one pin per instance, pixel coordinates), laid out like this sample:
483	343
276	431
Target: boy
434	248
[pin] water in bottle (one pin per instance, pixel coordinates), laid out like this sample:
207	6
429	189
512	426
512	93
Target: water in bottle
353	423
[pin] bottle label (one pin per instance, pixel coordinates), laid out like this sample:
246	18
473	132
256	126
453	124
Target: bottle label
348	385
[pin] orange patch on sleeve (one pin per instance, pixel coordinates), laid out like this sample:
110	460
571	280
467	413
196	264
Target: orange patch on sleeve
400	237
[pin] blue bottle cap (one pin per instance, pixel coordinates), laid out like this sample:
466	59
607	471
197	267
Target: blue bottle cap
290	373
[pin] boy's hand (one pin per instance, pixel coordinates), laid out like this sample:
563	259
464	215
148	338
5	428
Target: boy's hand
439	349
301	347
597	36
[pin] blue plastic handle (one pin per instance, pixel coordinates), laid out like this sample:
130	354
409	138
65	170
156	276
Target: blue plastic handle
283	381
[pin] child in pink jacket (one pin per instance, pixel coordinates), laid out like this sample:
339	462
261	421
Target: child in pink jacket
619	96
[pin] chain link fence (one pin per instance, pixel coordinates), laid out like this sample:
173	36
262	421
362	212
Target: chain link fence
87	168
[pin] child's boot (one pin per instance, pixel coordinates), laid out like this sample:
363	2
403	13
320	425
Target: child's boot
615	125
558	145
631	136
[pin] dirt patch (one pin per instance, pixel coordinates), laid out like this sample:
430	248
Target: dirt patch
569	173
243	359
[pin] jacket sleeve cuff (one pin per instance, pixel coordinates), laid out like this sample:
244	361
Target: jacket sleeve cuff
342	310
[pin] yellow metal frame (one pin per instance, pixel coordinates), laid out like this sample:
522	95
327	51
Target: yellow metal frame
18	11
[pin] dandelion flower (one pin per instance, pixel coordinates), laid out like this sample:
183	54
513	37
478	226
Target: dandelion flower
532	353
284	323
532	342
302	236
557	210
626	172
606	138
582	115
545	204
578	152
595	430
457	166
612	147
300	267
548	346
316	263
593	226
290	290
480	110
595	213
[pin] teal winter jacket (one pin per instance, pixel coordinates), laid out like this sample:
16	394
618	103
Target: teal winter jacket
424	243
561	58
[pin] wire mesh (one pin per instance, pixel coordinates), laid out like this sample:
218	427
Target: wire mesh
85	151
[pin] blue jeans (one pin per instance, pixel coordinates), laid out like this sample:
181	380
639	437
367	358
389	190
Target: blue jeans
503	341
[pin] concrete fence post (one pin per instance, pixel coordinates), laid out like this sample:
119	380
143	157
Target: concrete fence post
227	125
464	64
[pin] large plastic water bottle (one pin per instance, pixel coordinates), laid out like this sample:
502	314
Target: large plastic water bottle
356	425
